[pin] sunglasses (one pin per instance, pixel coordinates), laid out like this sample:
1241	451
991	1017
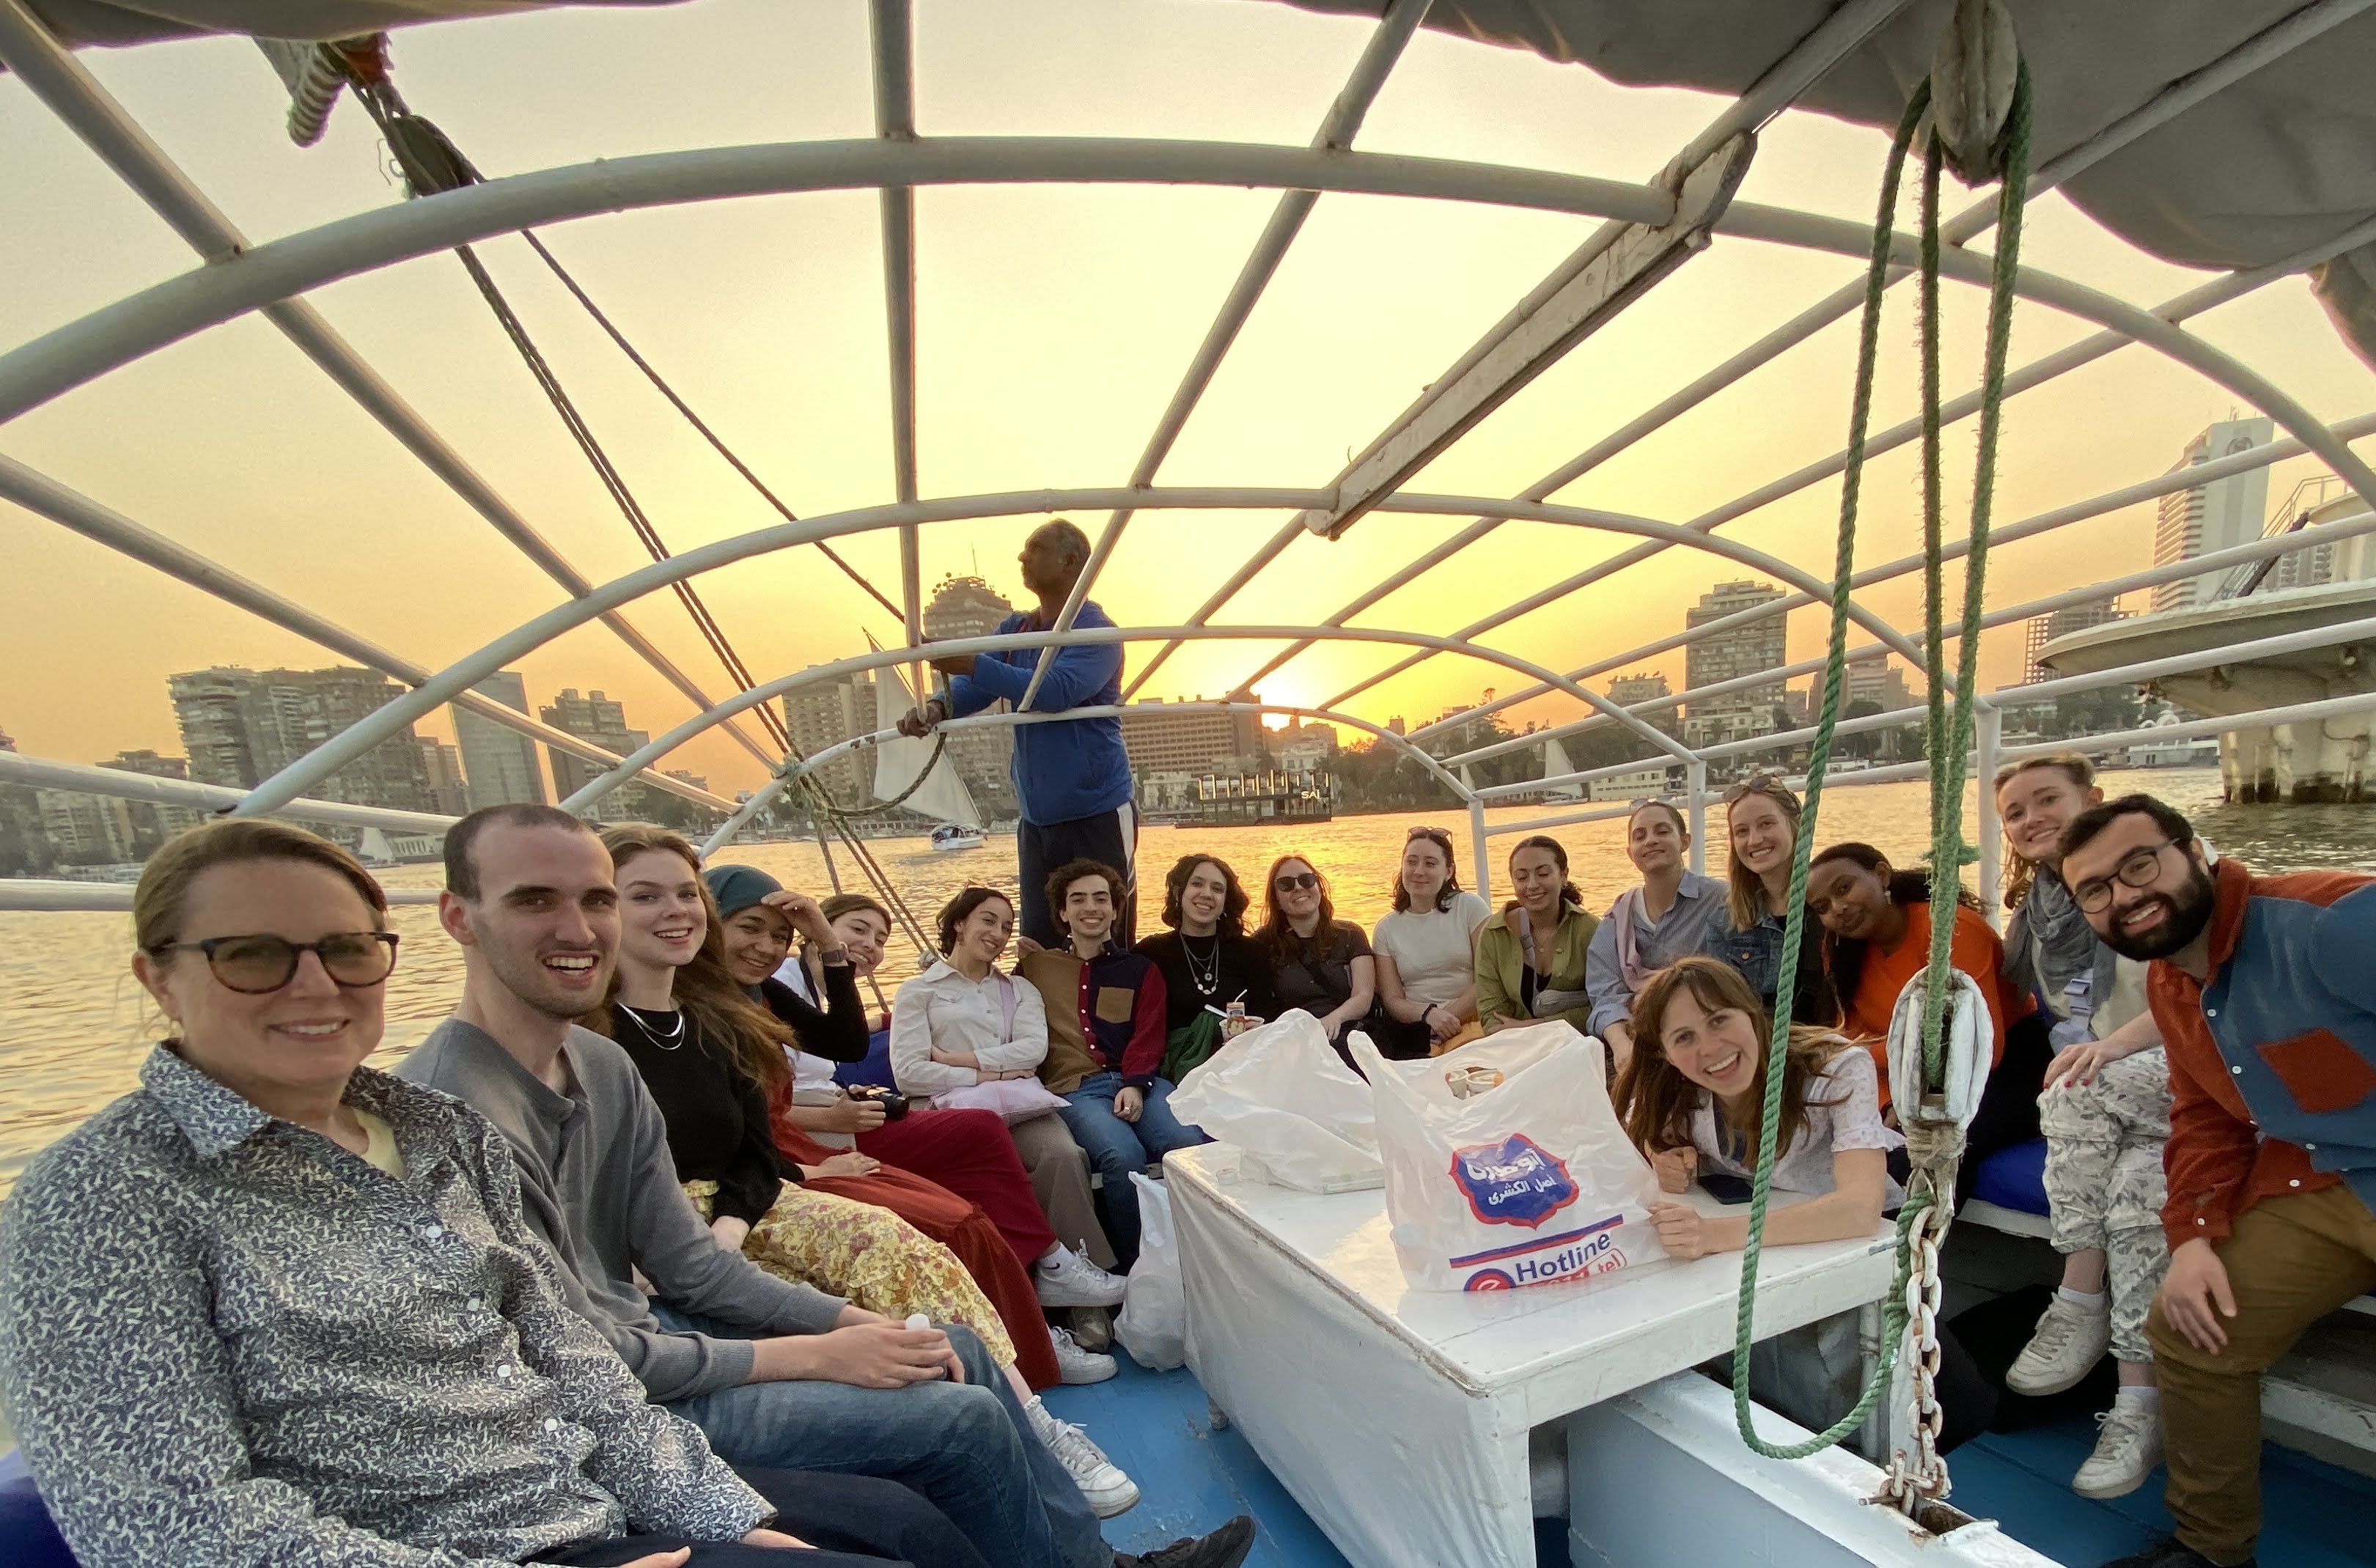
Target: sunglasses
1441	835
1758	784
254	965
1292	881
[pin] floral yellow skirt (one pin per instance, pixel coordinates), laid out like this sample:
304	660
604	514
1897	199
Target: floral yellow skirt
867	1254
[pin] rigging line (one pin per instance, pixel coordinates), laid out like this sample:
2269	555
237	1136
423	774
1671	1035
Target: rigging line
693	418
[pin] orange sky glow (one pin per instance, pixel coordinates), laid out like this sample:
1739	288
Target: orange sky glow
1053	324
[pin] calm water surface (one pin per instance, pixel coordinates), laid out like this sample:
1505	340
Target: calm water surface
74	1024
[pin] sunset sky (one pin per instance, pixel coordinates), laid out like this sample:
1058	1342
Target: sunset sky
1055	324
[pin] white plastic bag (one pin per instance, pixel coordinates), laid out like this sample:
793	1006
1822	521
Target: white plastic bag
1526	1182
1279	1093
1153	1322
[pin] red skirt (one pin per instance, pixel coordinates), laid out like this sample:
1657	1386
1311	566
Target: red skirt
951	1220
971	1154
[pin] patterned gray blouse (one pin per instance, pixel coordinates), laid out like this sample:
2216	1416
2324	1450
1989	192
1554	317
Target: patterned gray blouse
226	1340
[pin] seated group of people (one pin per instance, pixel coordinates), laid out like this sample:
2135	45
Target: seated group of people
585	1279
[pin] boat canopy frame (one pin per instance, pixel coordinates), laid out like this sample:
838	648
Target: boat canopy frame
236	278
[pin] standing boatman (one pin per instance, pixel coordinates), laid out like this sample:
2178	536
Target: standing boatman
1072	777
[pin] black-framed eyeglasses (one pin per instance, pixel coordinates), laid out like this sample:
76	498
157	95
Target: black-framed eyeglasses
1295	880
2138	868
257	965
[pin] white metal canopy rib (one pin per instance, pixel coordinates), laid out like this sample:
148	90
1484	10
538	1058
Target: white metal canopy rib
1337	128
891	26
39	493
76	97
542	629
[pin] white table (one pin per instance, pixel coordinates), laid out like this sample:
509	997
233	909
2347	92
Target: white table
1398	1417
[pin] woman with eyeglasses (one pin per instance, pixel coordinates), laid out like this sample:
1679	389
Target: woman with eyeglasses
1318	962
1216	978
274	1305
1650	926
2106	1116
1761	820
1876	924
1530	958
1426	950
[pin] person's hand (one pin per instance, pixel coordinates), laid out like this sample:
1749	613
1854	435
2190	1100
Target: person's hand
849	1163
806	916
1129	1103
919	721
1502	1021
1025	944
1442	1022
2195	1296
851	1116
729	1231
953	663
887	1355
1016	1074
676	1559
852	1315
1683	1231
777	1539
1677	1168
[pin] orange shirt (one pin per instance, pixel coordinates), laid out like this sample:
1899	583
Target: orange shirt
1975	948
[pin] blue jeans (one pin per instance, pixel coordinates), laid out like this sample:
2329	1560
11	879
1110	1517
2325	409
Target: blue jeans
967	1448
1117	1147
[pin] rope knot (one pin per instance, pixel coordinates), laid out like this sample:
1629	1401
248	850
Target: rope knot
1933	1145
1972	77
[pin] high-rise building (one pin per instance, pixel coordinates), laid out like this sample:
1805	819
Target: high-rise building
2044	629
1192	743
240	727
968	606
152	825
442	765
1875	680
84	829
600	719
2218	515
826	713
498	765
1733	654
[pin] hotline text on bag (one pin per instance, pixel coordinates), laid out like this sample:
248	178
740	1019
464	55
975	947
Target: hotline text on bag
1506	1165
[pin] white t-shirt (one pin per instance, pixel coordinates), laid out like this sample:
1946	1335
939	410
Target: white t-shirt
812	1074
1429	947
1842	1112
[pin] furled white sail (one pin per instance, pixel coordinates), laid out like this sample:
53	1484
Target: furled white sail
1556	766
943	795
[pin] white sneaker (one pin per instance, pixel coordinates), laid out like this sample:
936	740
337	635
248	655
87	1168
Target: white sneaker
1076	1282
1101	1481
1077	1365
2126	1450
2069	1341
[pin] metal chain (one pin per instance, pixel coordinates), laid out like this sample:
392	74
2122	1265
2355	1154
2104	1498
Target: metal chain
1913	1479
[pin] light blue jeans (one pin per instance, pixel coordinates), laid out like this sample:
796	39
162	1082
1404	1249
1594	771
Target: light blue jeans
1117	1147
967	1448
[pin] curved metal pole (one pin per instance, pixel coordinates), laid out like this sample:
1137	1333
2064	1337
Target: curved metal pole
776	786
141	322
661	746
352	743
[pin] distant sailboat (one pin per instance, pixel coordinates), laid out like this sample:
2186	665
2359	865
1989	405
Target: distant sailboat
943	795
1556	766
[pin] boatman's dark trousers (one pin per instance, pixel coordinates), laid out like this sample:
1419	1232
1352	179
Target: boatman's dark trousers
1108	837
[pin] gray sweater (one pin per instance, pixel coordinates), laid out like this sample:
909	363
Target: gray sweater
599	1187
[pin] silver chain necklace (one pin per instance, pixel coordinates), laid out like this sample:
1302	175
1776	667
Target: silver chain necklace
1206	977
669	1041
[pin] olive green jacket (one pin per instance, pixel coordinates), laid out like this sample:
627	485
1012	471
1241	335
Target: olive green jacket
1501	960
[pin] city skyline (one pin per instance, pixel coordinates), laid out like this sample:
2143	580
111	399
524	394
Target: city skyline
1019	383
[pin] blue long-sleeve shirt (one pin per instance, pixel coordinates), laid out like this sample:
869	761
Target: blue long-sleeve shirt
1067	771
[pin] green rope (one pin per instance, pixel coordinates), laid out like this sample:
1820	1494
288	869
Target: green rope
1946	820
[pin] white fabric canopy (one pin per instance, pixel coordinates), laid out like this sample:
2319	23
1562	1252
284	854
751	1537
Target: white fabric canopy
141	21
2275	164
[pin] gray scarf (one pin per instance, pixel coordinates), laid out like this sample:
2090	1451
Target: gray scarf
2066	943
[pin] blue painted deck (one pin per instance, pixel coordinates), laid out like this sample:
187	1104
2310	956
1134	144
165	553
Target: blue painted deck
1192	1477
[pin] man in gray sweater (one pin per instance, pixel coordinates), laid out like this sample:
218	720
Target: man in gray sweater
774	1374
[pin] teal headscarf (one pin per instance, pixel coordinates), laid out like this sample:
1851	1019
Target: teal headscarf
738	887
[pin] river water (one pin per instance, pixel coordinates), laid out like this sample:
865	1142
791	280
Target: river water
74	1024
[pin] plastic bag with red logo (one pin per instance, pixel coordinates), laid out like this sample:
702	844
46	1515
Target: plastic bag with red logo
1505	1163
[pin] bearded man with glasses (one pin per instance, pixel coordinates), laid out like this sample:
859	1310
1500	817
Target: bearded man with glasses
2266	999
